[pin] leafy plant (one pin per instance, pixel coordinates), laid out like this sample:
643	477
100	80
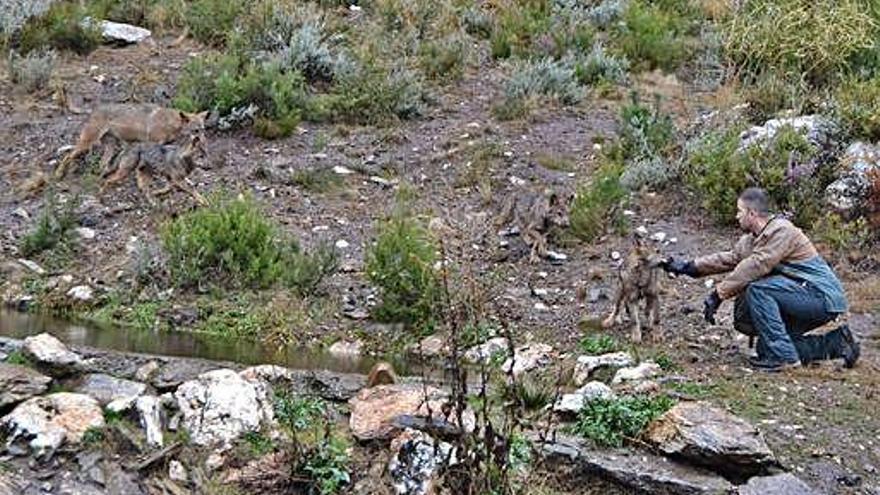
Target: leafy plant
645	131
298	413
53	228
596	205
401	264
857	108
651	36
32	71
600	344
60	28
609	422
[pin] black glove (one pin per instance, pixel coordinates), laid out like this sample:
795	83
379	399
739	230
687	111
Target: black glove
710	306
680	267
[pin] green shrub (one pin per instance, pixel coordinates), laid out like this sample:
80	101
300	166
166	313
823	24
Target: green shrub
319	180
401	265
815	38
718	170
60	28
596	205
211	21
651	36
33	71
651	173
772	93
857	108
534	391
18	357
372	95
444	59
298	413
519	27
601	67
545	77
842	235
327	465
231	242
644	131
53	228
223	82
609	422
596	345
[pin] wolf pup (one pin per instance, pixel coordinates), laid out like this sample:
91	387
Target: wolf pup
535	214
130	123
638	279
172	161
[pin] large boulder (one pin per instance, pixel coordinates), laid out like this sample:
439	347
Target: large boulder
106	389
848	193
375	411
19	383
51	354
221	405
705	435
45	423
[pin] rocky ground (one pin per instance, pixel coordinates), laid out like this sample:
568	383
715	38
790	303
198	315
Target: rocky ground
817	421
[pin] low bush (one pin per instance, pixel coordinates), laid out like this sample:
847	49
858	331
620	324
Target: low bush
719	170
840	234
596	345
53	229
211	21
231	242
545	77
645	132
60	28
33	71
596	205
610	422
601	67
651	36
401	265
816	39
857	108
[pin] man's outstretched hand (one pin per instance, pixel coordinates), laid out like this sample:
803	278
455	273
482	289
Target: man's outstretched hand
680	267
710	306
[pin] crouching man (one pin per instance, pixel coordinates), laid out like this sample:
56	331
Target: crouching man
782	286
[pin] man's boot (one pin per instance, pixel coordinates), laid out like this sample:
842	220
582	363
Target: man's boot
851	347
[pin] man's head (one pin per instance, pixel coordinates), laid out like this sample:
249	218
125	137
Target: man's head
752	209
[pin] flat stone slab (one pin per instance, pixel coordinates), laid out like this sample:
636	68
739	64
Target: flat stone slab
640	471
780	484
19	383
106	389
706	435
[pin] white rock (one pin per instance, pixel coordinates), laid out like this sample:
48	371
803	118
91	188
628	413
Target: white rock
527	358
150	413
709	283
516	181
48	422
85	233
658	236
176	471
346	348
338	169
615	255
221	405
342	244
555	256
22	213
117	31
484	352
215	461
46	350
81	293
587	364
814	127
30	265
647	369
574	402
121	405
642	230
539	306
629	213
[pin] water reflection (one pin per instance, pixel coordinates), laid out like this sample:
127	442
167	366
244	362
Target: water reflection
20	325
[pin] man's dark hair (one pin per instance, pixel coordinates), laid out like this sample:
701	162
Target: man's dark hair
756	200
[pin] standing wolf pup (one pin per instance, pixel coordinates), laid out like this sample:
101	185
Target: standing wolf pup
638	279
534	214
130	123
